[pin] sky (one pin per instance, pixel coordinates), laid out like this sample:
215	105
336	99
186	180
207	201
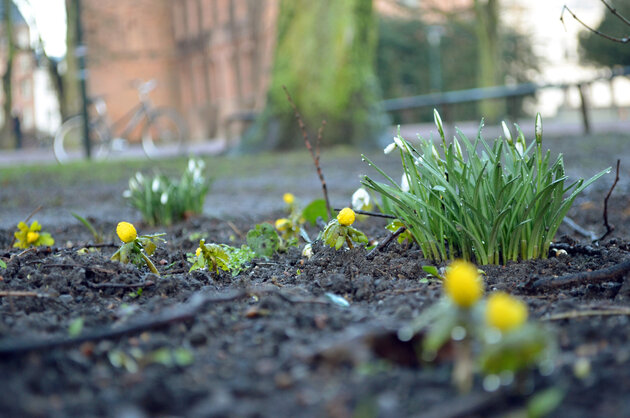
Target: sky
49	18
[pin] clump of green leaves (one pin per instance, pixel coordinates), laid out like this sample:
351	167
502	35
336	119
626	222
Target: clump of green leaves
494	205
136	249
31	236
163	200
223	257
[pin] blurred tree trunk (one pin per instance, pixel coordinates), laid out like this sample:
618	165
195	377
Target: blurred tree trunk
488	71
7	129
68	86
325	55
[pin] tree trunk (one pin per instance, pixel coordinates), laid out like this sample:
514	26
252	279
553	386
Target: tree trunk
70	99
325	55
7	139
488	71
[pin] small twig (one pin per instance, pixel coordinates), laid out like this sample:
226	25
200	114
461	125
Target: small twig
577	279
307	142
374	214
586	313
579	229
623	40
381	245
101	245
236	230
22	293
93	285
28	250
402	291
616	13
609	228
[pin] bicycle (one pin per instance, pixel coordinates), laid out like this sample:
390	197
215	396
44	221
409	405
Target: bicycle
162	133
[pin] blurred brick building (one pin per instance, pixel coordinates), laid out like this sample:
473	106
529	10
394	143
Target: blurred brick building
211	58
23	67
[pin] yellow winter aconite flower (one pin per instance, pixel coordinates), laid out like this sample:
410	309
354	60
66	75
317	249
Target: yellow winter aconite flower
126	232
288	198
31	237
505	312
282	224
346	217
463	284
198	251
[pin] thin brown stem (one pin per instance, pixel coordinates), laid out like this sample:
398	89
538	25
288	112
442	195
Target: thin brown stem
615	12
381	246
374	214
609	228
613	273
21	293
623	40
314	154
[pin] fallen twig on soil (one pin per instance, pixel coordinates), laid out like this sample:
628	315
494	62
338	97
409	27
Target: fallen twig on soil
22	293
585	277
609	228
579	229
381	245
93	285
314	154
177	313
586	313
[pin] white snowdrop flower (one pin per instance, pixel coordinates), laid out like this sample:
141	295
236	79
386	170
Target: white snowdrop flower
398	143
388	149
360	199
519	148
507	133
155	186
164	198
139	177
458	148
539	129
191	165
404	183
127	194
307	251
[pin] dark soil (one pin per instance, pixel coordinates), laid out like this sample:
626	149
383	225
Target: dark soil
271	342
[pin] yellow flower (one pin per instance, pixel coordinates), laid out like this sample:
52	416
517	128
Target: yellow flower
505	312
198	251
31	237
288	198
126	232
282	224
346	217
463	284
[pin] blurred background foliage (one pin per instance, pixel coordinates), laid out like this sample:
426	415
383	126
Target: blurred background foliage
595	49
405	57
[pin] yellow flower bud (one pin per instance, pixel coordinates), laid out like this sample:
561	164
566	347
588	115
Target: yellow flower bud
282	224
288	198
198	251
346	217
463	284
126	232
31	237
505	312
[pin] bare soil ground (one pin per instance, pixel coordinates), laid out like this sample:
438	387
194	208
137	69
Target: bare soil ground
269	341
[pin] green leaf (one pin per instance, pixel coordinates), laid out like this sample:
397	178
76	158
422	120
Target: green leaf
314	210
98	238
543	403
3	264
433	271
75	328
263	240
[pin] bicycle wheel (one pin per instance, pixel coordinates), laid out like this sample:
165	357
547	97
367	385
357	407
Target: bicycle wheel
163	134
68	143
